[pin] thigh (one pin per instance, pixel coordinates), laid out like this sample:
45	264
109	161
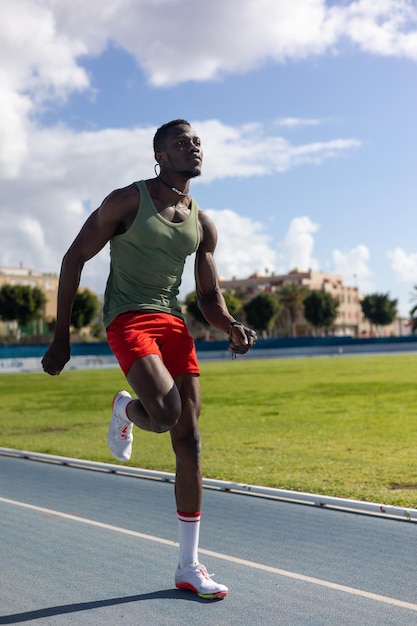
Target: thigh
133	335
154	385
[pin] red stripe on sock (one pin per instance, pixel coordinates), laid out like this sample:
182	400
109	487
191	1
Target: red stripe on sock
189	517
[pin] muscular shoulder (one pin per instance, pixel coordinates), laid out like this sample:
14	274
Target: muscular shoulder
120	207
123	198
208	232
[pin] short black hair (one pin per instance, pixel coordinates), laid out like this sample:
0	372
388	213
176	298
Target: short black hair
162	133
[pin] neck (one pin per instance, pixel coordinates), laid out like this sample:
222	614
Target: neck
174	189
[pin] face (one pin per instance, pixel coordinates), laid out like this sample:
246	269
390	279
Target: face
183	153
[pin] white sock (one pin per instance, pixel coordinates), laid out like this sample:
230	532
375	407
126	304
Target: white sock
124	403
127	414
188	533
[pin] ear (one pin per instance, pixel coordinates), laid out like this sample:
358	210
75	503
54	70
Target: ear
159	157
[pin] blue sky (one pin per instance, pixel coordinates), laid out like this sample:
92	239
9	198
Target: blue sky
307	111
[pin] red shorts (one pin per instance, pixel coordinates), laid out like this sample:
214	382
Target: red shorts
134	335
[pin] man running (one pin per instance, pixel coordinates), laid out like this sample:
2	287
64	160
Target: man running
152	226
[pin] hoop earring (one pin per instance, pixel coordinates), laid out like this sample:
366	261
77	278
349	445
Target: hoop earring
157	174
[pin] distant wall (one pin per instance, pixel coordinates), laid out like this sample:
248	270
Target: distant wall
88	355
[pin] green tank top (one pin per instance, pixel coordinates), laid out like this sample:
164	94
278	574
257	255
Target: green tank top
147	261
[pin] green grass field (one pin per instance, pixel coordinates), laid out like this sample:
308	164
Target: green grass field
344	427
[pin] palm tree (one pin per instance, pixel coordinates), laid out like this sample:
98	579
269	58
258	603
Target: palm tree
291	296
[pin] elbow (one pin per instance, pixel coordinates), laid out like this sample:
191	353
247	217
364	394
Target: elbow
208	298
73	260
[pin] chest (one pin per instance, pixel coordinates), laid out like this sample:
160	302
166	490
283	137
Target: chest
168	233
174	213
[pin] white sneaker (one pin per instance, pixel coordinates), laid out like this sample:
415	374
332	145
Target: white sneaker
119	436
196	578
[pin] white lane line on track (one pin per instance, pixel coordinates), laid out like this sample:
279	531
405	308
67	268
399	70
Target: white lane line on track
259	566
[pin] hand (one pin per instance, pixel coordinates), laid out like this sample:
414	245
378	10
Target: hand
57	355
241	338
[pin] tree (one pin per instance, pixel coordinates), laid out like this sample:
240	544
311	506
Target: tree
292	297
234	304
193	309
378	309
320	309
21	304
84	309
262	311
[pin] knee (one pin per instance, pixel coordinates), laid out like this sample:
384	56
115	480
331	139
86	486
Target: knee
166	417
163	426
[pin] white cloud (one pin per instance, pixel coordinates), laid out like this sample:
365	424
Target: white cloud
296	122
66	175
298	244
251	150
13	132
37	63
58	153
404	265
42	42
244	247
54	177
353	266
224	40
384	27
41	58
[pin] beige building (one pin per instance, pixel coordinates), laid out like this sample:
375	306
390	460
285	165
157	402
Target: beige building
47	282
350	320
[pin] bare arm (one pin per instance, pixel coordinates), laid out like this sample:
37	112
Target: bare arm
99	228
209	297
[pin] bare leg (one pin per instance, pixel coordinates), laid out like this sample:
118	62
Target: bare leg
185	437
167	404
174	405
159	405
